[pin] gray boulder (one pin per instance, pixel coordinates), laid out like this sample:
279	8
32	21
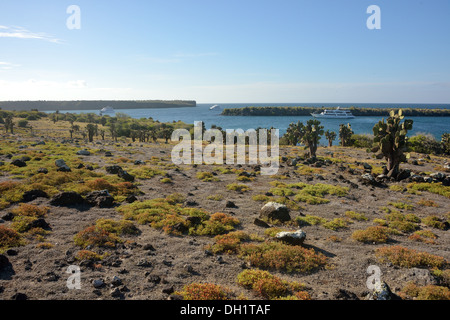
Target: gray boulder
367	166
83	153
295	238
438	176
275	211
422	277
98	283
62	166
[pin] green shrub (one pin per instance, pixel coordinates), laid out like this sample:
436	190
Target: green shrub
408	258
30	210
429	292
375	234
205	291
356	216
172	218
87	255
425	236
166	180
362	140
22	123
238	187
310	220
215	197
121	227
9	238
206	176
279	256
397	188
268	286
401	205
300	197
434	222
436	188
401	222
219	223
94	236
424	143
336	224
229	243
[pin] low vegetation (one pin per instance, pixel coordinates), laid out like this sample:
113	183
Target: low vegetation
409	258
105	234
205	291
9	238
429	292
279	256
372	235
267	286
173	218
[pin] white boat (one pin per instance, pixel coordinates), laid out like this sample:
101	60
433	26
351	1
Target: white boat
107	110
214	107
338	113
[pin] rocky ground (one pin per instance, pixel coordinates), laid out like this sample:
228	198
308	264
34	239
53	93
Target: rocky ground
153	264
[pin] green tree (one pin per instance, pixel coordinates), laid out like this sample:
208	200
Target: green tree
22	123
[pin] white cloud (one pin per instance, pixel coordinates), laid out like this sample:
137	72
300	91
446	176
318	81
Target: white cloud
22	33
261	92
8	65
77	84
33	89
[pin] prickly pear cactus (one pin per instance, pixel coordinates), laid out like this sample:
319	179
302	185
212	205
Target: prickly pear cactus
345	134
445	142
310	135
330	135
390	140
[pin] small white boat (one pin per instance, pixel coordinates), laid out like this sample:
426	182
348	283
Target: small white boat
338	113
107	110
215	107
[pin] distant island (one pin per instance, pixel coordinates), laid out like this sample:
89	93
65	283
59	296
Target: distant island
306	111
43	105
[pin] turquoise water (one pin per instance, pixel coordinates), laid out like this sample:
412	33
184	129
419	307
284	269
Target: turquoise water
360	125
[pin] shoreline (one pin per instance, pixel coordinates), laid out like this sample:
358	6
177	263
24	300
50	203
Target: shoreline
306	111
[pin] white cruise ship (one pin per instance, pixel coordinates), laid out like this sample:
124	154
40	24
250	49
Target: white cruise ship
107	110
338	113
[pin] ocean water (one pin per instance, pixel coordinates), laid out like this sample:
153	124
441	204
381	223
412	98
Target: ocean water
435	126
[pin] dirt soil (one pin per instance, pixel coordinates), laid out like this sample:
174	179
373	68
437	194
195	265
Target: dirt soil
179	260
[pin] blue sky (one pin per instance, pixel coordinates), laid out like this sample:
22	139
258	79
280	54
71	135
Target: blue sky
219	51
